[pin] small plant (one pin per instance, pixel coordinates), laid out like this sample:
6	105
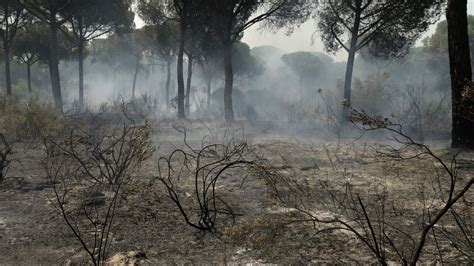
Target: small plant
88	170
389	232
449	192
205	166
5	154
29	121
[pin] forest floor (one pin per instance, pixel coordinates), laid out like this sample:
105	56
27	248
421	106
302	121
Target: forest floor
32	232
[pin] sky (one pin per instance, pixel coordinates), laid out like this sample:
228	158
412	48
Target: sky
301	39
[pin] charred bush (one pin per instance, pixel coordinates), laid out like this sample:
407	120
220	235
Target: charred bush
5	157
203	169
89	170
437	212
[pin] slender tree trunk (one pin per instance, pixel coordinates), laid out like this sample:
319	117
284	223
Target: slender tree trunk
54	67
8	77
350	68
28	74
135	76
188	85
348	85
81	74
168	81
229	81
209	85
182	39
461	74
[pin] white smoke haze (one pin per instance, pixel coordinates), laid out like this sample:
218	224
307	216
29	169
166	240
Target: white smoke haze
322	158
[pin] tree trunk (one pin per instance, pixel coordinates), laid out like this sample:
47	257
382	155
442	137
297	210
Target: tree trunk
135	75
209	85
28	74
461	74
188	85
81	74
350	67
54	67
229	81
8	77
181	112
168	81
348	85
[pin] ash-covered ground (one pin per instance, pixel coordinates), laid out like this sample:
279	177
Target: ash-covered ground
264	228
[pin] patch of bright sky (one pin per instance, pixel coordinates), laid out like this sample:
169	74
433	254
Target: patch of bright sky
301	38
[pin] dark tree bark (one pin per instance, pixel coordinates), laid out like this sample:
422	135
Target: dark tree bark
28	73
8	80
182	41
48	13
54	67
229	81
188	84
80	58
350	65
168	81
461	74
13	17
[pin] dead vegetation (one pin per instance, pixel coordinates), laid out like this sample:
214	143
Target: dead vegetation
373	214
5	154
268	201
89	170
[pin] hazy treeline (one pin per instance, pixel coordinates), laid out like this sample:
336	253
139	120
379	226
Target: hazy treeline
103	55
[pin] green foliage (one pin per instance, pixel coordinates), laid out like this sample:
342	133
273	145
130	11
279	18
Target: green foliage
29	120
305	64
243	63
155	12
391	27
438	42
90	19
268	54
244	14
163	40
31	44
115	51
12	17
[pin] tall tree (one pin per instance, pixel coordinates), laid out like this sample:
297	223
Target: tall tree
116	51
196	45
209	60
28	48
390	27
305	65
141	44
12	17
90	19
49	12
166	33
437	44
245	66
232	17
209	68
462	90
166	39
157	12
188	14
